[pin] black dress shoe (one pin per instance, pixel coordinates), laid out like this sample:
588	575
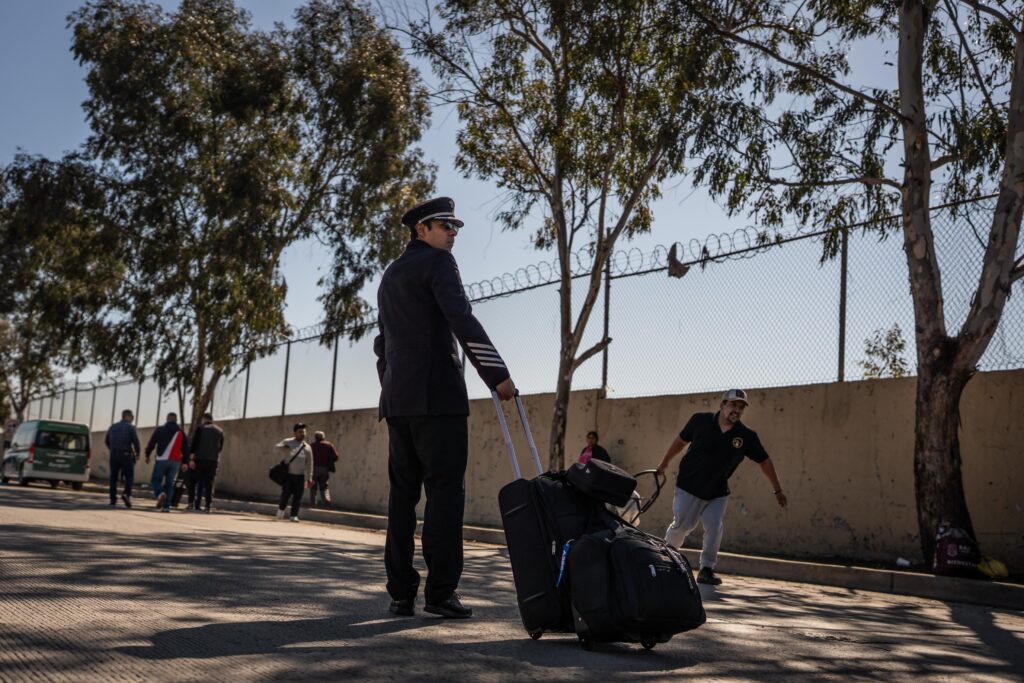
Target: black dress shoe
402	608
451	608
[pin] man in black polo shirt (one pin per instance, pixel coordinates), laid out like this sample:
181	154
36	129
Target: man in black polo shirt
718	444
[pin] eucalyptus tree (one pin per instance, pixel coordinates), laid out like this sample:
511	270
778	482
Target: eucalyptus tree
574	110
809	137
62	258
228	145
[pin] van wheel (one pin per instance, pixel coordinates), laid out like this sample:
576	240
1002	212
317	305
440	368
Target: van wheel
586	642
648	644
76	485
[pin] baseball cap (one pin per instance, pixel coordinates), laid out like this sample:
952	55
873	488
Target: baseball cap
735	395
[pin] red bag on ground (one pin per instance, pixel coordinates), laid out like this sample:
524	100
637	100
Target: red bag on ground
956	553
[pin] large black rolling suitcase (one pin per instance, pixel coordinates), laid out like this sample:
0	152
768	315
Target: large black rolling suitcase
534	546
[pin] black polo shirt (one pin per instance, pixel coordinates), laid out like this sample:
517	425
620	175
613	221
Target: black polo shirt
714	455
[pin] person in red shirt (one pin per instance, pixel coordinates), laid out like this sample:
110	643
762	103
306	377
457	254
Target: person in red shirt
324	457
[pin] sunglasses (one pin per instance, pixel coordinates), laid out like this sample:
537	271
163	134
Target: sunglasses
448	225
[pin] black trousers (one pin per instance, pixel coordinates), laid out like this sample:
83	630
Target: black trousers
293	489
203	476
427	452
188	476
121	464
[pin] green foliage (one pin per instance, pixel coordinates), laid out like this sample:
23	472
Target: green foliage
228	145
883	353
805	140
572	108
60	268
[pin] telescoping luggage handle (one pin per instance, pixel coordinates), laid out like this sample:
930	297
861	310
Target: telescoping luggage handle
508	438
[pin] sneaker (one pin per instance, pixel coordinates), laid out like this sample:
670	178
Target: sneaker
127	501
451	608
295	519
403	608
280	514
165	509
206	509
160	499
706	575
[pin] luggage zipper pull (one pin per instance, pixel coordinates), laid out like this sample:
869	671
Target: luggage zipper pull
553	548
654	572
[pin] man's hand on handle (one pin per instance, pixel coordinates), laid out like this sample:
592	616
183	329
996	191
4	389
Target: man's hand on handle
506	390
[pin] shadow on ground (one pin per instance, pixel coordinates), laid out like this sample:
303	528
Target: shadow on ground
244	595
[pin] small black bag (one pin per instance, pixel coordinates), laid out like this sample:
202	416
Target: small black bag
279	472
602	481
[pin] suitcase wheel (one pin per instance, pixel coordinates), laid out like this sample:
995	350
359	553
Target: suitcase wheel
536	634
648	644
586	642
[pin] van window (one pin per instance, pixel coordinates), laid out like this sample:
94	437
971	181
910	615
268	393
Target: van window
23	436
62	440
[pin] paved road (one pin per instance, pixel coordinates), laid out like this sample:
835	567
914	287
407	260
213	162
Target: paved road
89	593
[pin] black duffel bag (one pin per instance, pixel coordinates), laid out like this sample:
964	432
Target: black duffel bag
279	472
603	481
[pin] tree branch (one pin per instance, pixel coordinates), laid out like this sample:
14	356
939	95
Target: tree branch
861	180
591	352
730	35
1002	18
970	57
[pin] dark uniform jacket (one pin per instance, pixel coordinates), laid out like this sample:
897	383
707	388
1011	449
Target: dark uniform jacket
122	439
421	305
208	442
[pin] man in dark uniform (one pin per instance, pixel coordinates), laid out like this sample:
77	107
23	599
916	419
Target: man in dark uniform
422	310
718	442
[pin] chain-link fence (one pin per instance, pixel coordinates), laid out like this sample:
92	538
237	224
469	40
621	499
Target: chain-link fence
744	314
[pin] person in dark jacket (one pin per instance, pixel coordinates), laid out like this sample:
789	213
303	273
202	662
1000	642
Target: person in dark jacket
171	445
123	443
207	443
422	311
324	457
592	450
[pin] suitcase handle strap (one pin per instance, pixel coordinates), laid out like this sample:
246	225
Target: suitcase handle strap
508	437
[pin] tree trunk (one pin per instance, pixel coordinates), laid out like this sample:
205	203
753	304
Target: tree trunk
937	476
560	415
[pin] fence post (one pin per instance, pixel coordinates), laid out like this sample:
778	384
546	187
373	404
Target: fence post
245	396
607	300
63	400
113	406
843	256
287	362
138	401
334	370
49	414
74	401
159	401
92	406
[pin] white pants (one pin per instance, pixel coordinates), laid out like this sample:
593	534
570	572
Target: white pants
687	510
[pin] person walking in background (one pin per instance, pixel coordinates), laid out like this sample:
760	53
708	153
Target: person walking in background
171	445
324	457
423	309
122	441
207	443
592	450
718	443
299	456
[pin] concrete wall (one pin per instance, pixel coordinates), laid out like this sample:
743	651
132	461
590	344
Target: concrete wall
844	453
